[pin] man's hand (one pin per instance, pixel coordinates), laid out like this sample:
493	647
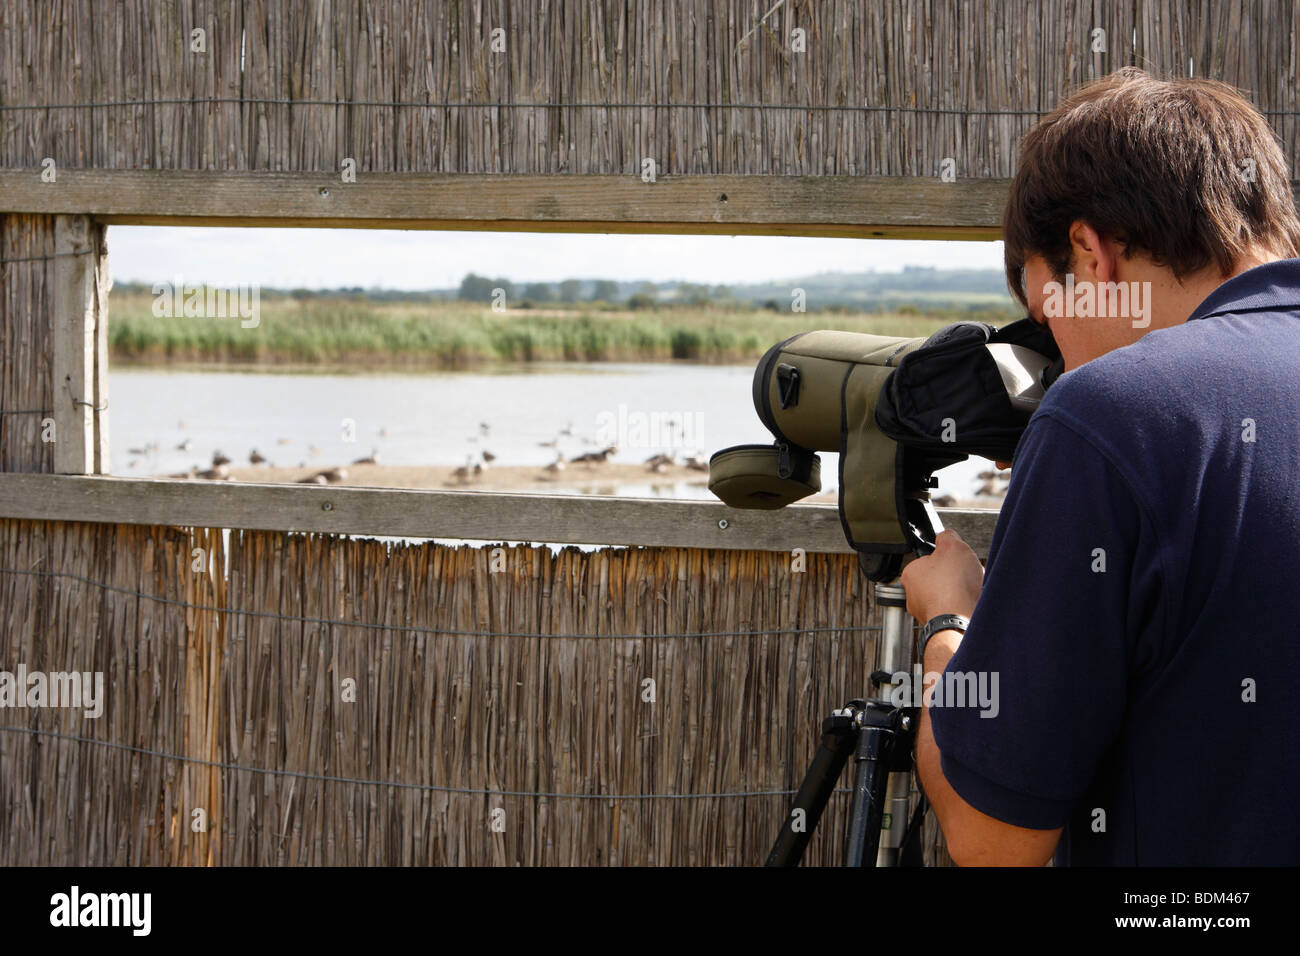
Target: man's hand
945	582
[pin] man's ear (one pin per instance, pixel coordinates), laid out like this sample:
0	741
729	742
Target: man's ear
1092	255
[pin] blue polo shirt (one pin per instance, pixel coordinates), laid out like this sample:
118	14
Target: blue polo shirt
1141	600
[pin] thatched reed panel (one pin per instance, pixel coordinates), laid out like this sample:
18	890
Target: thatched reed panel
518	690
594	86
26	359
512	717
65	802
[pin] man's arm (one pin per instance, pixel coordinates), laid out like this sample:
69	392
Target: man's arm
973	838
949	582
1075	579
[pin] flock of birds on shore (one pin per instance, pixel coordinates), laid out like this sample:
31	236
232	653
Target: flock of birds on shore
473	469
656	464
992	482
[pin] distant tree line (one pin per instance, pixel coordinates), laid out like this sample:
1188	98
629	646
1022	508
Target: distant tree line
647	295
477	288
915	290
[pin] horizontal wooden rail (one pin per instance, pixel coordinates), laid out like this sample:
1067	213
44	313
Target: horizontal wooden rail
896	207
460	515
848	206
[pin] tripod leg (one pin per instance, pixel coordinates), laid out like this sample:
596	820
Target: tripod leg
838	736
883	772
881	734
870	781
881	780
894	827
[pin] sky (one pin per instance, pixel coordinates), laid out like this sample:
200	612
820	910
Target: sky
412	260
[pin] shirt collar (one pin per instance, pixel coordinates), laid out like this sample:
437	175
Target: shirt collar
1272	286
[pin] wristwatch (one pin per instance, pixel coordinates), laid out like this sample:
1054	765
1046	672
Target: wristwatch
944	622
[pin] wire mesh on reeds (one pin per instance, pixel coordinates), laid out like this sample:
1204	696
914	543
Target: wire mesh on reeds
894	87
438	698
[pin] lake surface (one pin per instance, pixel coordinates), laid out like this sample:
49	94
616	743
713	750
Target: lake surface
436	418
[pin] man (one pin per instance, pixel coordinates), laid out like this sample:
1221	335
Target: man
1141	601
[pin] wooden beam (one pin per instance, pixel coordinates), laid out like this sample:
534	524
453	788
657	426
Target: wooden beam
462	515
74	316
846	206
891	207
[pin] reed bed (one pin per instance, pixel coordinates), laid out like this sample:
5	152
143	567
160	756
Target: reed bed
358	332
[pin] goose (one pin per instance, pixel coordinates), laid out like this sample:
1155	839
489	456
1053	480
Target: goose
371	459
597	457
256	458
219	460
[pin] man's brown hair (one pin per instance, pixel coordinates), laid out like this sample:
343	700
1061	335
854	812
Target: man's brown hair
1184	170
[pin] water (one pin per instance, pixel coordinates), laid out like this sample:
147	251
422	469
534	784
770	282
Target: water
435	418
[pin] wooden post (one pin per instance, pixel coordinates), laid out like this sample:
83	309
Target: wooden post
103	284
80	375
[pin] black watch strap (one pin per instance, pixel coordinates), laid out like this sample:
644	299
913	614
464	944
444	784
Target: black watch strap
943	622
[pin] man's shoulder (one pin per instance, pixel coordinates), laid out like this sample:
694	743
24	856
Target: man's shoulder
1248	321
1102	395
1138	407
1174	380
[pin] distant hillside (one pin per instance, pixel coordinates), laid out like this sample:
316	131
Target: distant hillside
914	289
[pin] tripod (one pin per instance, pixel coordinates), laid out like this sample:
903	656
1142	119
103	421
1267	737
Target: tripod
880	737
